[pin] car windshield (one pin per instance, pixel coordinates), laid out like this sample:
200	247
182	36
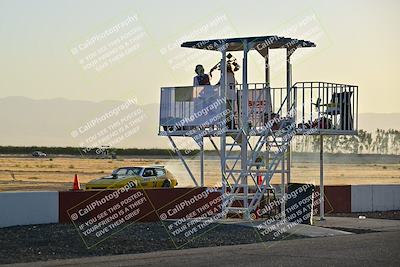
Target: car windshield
127	171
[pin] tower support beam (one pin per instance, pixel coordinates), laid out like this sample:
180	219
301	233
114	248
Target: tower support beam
321	178
245	127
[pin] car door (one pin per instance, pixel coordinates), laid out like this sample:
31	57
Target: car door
160	177
149	177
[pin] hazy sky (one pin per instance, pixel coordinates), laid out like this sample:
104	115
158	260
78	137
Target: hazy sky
53	49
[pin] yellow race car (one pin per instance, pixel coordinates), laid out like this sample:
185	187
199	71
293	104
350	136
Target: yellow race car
137	177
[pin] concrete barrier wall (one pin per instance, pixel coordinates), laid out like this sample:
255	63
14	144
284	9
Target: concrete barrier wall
375	198
159	201
361	196
23	208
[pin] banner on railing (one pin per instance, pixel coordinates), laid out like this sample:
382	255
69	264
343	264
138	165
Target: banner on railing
192	106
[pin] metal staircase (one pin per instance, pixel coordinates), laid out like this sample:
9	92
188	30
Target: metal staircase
242	189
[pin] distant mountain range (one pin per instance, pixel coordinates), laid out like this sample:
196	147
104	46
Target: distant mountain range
56	122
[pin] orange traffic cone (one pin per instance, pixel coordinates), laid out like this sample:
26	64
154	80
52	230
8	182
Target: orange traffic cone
76	186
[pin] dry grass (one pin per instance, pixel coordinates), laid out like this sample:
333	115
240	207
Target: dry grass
58	173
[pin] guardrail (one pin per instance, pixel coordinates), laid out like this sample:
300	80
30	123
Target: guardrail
328	108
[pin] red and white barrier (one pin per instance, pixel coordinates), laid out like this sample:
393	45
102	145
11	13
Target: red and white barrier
24	208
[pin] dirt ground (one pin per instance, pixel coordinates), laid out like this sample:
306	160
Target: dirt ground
61	241
58	241
56	173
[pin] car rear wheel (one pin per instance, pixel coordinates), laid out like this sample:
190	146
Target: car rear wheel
166	183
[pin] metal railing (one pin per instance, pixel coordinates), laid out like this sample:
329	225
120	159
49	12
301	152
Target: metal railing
182	108
328	108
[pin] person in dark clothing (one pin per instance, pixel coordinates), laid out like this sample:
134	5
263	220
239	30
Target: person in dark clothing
201	78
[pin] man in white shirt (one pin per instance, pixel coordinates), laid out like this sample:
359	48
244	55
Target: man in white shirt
230	94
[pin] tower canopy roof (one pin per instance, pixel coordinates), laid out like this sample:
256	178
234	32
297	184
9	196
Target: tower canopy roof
260	43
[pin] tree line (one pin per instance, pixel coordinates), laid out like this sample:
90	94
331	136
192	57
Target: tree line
377	142
80	151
